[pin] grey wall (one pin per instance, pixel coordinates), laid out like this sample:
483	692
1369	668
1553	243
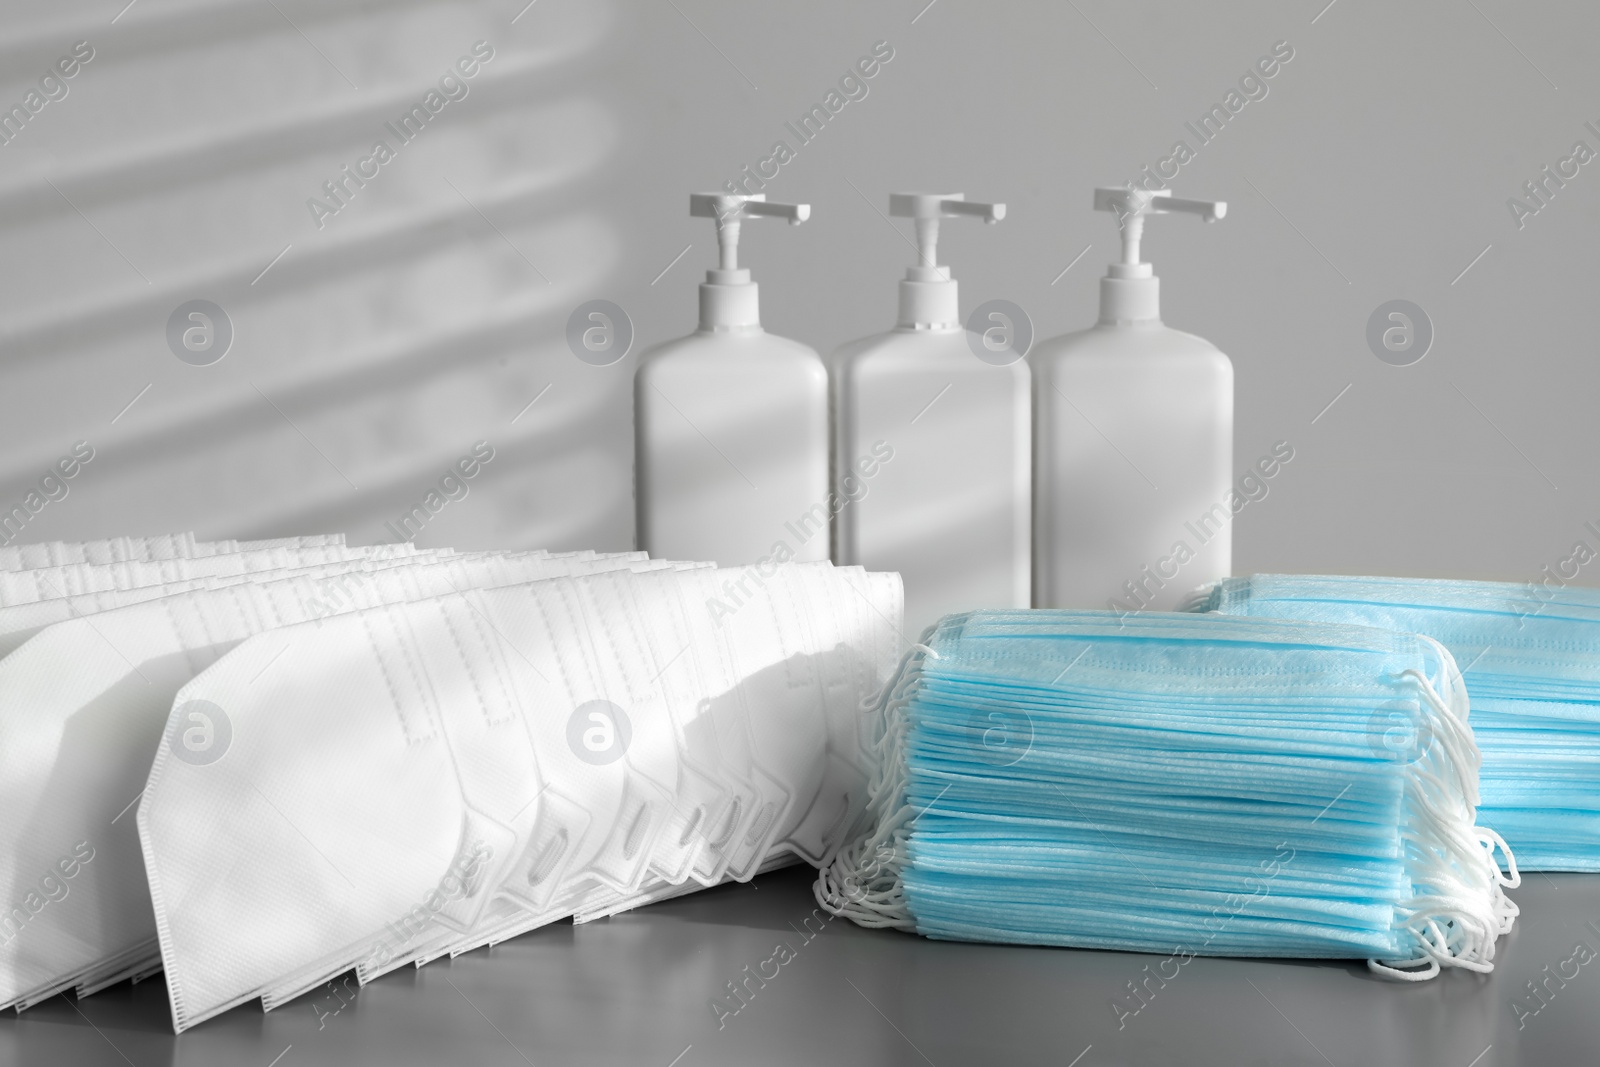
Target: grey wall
427	313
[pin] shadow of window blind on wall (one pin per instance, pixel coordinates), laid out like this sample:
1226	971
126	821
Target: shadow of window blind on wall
389	307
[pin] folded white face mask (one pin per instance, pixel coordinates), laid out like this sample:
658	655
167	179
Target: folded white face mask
161	546
697	829
481	670
857	651
628	795
418	941
649	657
850	636
327	842
82	706
45	583
852	642
587	812
16	557
18	622
707	806
408	868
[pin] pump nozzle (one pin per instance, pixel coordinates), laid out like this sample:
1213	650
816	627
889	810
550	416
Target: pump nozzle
927	209
928	295
1132	205
730	210
728	296
1129	292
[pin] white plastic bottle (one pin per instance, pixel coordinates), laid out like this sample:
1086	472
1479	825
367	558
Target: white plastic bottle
1133	446
932	444
731	422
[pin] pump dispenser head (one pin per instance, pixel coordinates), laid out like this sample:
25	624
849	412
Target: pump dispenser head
1130	291
928	293
729	300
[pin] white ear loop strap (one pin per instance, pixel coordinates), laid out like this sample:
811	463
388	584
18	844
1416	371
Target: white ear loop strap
864	881
1463	908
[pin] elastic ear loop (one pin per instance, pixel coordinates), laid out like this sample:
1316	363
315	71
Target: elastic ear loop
1506	910
1493	841
1459	859
1507	907
887	898
1391	969
880	900
1457	749
1468	944
1461	747
1438	952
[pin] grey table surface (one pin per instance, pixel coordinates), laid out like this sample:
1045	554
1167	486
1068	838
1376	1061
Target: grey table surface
641	989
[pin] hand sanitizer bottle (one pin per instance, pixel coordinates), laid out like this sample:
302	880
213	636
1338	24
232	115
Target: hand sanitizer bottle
1134	443
932	444
731	422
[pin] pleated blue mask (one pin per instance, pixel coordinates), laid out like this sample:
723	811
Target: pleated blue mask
1200	782
1531	660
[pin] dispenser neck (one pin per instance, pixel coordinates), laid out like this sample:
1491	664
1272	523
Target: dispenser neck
729	300
1130	298
928	301
928	293
1130	292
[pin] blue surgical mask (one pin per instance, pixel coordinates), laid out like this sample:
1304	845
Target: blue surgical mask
1072	778
1531	660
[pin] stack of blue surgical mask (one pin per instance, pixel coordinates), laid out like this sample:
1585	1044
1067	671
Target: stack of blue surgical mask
1211	783
1531	660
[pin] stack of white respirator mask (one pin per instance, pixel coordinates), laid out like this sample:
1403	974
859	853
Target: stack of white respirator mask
507	739
86	688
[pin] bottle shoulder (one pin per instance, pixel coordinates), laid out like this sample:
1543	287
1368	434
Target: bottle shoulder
1156	343
897	352
713	351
